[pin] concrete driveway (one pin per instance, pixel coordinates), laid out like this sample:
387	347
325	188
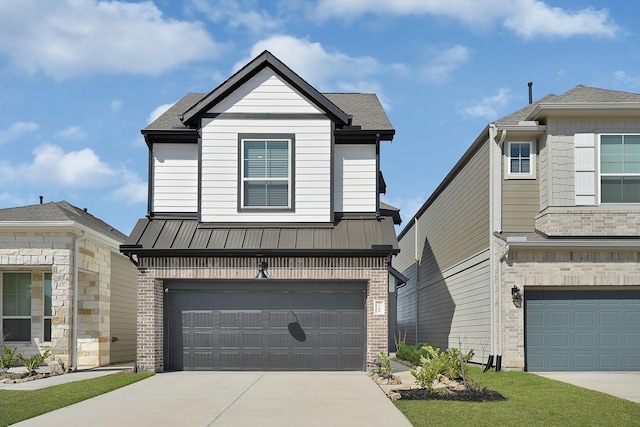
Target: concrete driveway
625	385
236	399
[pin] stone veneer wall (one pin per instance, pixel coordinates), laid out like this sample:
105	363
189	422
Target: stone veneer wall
152	272
562	268
40	252
589	222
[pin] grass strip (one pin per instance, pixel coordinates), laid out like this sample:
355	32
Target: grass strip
532	401
19	405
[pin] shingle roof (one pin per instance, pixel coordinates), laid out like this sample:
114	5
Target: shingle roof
59	212
365	108
348	236
578	95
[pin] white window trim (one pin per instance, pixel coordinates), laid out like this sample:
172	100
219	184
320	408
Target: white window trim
599	166
289	179
507	161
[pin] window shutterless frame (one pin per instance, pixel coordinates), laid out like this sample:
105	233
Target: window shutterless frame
47	307
619	168
266	172
16	305
520	160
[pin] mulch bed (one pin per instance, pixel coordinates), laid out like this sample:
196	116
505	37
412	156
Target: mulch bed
458	395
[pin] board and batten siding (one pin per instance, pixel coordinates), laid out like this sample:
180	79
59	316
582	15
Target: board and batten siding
312	169
175	178
520	202
355	178
123	316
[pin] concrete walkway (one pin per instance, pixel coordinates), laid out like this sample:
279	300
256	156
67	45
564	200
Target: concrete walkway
83	373
625	385
236	399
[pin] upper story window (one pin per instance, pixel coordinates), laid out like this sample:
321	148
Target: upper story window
520	161
266	173
620	168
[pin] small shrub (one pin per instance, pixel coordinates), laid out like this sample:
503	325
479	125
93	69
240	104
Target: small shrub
33	363
7	358
431	367
384	368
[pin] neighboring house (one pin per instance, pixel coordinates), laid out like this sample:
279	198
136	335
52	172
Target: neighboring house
529	250
65	286
265	246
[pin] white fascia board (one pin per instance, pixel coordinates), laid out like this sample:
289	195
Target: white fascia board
578	244
60	226
583	107
525	128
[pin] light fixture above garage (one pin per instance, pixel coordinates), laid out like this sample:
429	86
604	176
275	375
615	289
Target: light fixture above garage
517	296
262	266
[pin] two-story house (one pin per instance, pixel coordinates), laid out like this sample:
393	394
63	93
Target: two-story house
265	245
529	250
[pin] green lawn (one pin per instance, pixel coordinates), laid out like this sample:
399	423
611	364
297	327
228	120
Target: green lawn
532	401
18	405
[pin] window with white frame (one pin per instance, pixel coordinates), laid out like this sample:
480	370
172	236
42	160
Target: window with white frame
266	174
16	306
48	294
620	168
520	160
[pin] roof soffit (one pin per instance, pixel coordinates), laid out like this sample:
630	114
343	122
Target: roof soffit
265	59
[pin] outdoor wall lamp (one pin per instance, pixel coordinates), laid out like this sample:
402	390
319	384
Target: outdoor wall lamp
262	266
516	295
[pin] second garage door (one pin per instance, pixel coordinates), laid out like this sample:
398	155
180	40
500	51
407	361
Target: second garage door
265	326
582	330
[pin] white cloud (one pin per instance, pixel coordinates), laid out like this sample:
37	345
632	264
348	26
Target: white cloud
72	132
132	192
116	105
527	18
313	63
237	14
626	79
52	166
16	130
445	62
489	107
157	112
67	39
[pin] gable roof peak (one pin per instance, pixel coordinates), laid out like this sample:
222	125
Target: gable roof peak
257	64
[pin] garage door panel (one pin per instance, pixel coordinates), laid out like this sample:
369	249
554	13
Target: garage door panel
262	330
582	330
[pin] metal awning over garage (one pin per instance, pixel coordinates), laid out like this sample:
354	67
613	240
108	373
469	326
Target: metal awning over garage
308	325
582	330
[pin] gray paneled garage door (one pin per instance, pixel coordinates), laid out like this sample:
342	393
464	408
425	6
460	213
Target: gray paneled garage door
265	325
582	330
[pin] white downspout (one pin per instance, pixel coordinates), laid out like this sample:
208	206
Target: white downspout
492	135
417	260
74	305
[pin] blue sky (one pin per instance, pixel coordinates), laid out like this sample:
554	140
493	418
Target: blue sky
80	78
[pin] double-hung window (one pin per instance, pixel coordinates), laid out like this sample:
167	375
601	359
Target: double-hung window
265	172
16	306
620	168
520	161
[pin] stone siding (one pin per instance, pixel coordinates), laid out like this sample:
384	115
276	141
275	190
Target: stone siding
566	269
152	272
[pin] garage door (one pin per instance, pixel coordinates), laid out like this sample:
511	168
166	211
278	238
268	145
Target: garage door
587	330
265	325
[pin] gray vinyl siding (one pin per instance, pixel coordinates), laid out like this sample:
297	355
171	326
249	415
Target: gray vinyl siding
452	274
123	309
454	307
520	202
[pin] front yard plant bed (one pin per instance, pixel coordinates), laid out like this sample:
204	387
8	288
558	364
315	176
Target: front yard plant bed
457	395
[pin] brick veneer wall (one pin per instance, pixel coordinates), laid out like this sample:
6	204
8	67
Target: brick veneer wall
527	269
589	222
152	272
